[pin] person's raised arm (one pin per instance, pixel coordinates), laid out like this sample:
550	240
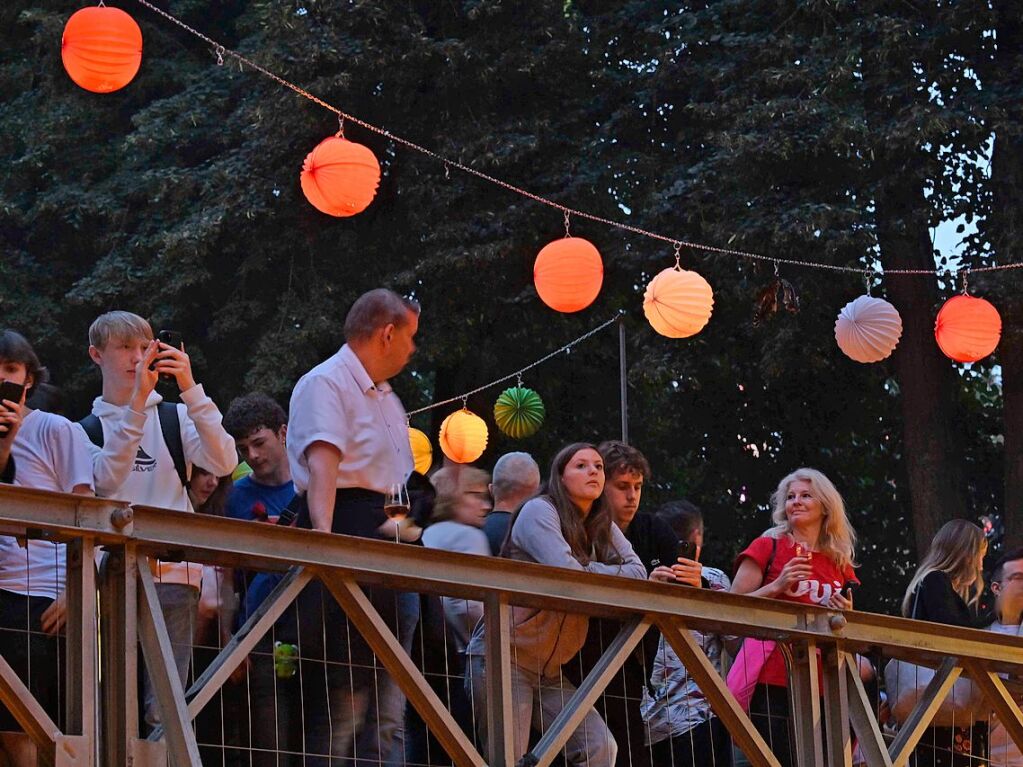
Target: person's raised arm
322	459
204	440
750	578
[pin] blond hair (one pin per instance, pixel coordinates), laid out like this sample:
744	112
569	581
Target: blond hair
118	326
955	551
451	483
837	539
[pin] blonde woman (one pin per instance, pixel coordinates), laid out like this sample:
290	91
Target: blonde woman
806	557
946	589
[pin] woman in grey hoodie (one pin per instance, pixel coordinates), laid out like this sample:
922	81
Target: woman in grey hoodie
569	526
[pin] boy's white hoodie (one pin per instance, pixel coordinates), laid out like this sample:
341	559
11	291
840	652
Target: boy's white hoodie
135	464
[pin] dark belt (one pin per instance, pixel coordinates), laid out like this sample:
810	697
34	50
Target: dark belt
357	512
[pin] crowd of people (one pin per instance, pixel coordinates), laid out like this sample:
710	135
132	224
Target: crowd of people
332	461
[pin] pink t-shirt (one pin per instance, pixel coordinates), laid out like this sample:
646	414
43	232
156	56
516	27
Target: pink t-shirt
826	580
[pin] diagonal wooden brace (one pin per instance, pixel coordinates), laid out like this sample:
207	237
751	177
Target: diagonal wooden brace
999	698
721	700
245	639
923	712
156	648
28	713
864	721
388	649
578	706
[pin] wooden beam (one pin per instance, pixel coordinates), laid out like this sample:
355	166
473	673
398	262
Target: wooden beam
500	729
25	709
999	698
119	655
864	720
81	631
923	712
836	706
721	700
805	704
392	655
578	706
163	673
245	639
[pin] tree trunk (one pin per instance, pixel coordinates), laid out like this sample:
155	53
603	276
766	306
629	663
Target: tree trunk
937	486
1006	234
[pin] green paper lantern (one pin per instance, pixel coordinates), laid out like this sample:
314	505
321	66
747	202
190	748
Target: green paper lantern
519	412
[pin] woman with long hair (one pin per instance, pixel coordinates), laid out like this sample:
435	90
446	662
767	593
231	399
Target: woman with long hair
569	526
946	589
806	557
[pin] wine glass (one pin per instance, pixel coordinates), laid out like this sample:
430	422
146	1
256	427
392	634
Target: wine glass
397	506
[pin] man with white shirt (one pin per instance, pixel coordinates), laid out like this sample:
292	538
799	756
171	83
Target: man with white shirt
44	451
144	451
1007	586
348	445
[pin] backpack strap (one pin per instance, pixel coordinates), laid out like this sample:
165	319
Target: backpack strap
93	428
170	426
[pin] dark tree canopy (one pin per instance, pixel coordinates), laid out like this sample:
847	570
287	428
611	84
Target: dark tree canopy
834	132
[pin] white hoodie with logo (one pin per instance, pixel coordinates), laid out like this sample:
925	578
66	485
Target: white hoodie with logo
135	464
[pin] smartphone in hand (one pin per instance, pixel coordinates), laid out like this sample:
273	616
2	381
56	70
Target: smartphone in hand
686	550
171	338
10	391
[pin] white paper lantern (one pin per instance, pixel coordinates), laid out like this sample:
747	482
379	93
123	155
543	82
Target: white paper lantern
868	329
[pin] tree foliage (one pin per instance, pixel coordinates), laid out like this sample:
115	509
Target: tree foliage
795	130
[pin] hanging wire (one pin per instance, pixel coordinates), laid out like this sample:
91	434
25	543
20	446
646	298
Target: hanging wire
221	50
463	398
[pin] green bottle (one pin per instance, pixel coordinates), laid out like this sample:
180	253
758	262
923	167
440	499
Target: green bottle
285	660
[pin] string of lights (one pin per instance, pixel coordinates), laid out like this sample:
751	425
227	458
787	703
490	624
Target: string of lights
221	51
518	373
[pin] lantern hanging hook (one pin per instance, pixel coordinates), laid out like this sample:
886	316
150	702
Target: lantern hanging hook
102	4
518	379
219	52
447	171
868	279
775	260
465	402
568	232
340	126
678	256
966	285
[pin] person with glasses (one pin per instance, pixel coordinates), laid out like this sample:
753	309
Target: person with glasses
1007	586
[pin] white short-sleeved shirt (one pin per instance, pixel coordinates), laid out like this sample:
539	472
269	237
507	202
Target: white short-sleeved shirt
336	402
49	454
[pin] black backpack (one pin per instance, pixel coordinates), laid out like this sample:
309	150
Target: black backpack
170	426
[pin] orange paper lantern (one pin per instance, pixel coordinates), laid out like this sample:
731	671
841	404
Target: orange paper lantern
101	48
463	436
967	329
422	450
568	274
678	303
339	177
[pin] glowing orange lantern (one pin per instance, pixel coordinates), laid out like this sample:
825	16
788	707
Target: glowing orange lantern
678	303
422	450
101	48
463	436
967	329
568	274
339	177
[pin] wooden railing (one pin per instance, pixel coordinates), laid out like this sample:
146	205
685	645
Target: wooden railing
821	642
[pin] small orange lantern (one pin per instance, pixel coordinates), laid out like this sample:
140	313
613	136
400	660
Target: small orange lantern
967	329
101	48
678	303
568	274
339	177
463	436
422	450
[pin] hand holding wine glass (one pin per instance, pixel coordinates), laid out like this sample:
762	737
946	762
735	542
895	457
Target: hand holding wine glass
397	505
